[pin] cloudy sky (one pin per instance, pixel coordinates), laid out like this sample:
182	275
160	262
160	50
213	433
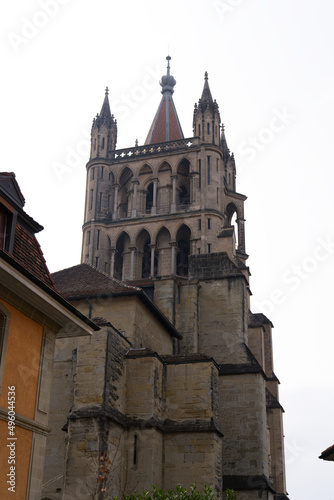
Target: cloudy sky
270	66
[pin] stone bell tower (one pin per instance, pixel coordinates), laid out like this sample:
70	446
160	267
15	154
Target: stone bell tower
166	216
180	192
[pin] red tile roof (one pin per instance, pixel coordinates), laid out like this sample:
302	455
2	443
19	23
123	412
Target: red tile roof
166	126
28	253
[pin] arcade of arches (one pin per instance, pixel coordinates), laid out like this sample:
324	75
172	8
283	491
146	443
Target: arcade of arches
146	194
148	258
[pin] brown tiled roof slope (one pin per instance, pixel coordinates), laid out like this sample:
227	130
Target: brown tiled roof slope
84	279
28	253
161	128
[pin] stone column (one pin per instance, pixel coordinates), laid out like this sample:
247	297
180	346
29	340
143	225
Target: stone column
173	245
132	262
154	206
152	247
173	206
134	204
192	177
114	214
241	235
112	261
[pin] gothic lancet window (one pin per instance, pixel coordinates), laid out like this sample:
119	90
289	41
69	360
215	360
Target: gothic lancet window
149	198
183	245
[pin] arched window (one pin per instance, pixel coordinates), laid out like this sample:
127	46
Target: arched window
123	192
143	246
149	198
184	197
183	245
146	262
232	220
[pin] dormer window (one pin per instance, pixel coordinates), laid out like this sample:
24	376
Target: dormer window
6	228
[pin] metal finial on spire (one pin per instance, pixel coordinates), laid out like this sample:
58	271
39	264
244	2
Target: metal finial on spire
107	91
168	66
167	82
206	76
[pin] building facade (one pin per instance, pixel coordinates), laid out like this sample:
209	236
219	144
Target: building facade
166	219
32	315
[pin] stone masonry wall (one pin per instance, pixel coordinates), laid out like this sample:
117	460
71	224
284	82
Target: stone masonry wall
223	319
244	422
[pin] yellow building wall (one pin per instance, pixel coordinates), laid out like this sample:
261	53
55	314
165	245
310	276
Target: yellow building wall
22	458
22	362
22	371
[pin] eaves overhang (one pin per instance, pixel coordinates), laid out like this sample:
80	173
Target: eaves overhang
20	286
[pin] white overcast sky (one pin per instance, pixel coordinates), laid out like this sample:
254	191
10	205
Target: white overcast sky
270	65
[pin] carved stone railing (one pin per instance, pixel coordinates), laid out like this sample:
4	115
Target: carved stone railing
153	149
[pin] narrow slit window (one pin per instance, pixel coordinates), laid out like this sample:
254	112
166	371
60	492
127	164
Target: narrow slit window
208	165
91	200
200	174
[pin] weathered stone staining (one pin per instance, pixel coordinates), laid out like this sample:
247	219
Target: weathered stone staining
178	385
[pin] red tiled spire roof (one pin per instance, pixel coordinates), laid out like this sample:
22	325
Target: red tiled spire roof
166	125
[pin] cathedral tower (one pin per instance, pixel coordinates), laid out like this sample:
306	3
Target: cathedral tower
167	217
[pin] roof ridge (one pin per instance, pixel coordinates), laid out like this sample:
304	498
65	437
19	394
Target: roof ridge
122	283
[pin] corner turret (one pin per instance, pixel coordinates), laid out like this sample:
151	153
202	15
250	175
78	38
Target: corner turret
104	132
206	122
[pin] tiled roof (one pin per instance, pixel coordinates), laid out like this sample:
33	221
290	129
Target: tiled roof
15	185
328	454
28	253
84	279
166	126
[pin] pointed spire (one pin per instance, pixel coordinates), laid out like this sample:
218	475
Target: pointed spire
223	144
166	125
105	114
104	131
206	99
